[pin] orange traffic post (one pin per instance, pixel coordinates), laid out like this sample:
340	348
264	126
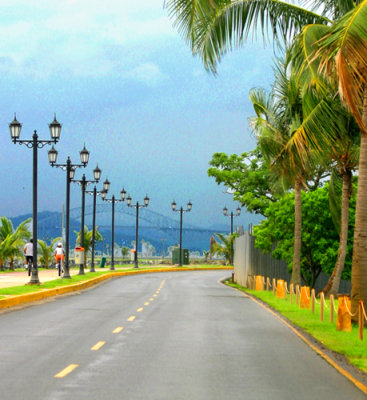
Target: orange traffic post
313	298
344	320
274	286
267	283
322	300
360	319
305	297
280	288
259	285
332	308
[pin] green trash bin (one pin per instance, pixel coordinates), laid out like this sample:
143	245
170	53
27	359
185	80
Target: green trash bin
176	256
103	262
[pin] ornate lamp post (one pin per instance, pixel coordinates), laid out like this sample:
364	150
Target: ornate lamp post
113	200
70	171
225	213
83	183
137	206
35	144
181	211
95	193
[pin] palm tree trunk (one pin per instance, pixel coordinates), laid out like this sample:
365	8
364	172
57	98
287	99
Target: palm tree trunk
359	262
332	287
296	271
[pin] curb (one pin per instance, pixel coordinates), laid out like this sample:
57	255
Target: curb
62	290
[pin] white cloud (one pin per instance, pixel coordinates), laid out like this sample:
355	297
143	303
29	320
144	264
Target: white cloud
148	73
45	37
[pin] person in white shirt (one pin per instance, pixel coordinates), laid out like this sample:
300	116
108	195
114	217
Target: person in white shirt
59	254
28	252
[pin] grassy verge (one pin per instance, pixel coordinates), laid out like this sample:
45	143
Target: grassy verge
346	343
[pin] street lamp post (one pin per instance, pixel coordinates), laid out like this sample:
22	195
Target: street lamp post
225	213
70	171
83	183
113	200
95	193
35	144
181	211
137	206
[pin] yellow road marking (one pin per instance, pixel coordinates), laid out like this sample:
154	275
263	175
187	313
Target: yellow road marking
131	318
66	371
147	303
118	329
140	309
154	295
151	299
97	346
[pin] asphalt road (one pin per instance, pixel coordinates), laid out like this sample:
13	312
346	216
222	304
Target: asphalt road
159	336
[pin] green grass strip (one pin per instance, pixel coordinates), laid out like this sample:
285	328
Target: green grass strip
346	343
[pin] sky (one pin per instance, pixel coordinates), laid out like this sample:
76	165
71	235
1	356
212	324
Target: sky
122	81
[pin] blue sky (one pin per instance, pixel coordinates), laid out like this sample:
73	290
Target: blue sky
121	80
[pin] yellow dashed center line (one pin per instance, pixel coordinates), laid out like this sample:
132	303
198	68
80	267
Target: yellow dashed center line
97	346
66	371
154	295
140	309
147	303
151	299
131	318
118	329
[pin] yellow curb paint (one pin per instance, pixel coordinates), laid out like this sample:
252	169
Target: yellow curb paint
97	346
131	318
140	309
118	329
147	303
66	371
342	371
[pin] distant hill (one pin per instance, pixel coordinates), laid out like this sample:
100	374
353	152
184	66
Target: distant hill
50	227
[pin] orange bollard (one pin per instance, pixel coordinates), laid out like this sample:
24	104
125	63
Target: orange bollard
280	288
259	284
291	291
360	319
313	300
322	300
344	320
332	308
305	297
267	284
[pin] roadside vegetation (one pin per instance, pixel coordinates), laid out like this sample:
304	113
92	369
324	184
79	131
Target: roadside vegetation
345	343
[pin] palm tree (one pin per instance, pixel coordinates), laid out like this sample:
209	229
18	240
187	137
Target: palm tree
88	235
225	247
46	251
213	27
12	240
344	50
124	251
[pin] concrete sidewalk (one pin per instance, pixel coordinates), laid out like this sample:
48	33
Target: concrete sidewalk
18	278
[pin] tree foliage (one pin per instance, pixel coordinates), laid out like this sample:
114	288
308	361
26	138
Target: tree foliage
320	239
248	176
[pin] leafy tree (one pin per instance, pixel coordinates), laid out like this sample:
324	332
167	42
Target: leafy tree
12	240
224	247
125	251
206	254
88	234
319	236
46	251
248	176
